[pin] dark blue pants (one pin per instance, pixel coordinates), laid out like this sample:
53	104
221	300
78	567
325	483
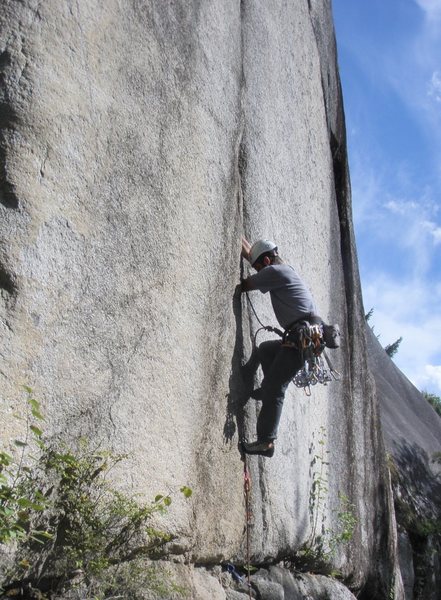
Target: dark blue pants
279	365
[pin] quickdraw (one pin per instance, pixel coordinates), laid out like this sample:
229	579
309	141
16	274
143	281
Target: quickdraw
308	339
314	371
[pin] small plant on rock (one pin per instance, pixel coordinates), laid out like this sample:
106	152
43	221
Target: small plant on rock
322	544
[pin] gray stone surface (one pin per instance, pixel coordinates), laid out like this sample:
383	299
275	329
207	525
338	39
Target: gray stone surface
405	554
279	584
412	431
139	140
408	420
233	595
267	589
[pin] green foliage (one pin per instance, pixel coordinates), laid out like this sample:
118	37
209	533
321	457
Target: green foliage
434	400
412	521
18	497
392	349
319	488
58	506
427	527
391	595
317	552
368	315
346	520
186	491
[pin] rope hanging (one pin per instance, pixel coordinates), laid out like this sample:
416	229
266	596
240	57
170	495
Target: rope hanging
247	493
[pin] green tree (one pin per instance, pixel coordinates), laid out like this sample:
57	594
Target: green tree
392	349
434	400
368	315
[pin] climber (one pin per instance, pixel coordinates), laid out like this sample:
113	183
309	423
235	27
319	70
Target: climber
291	301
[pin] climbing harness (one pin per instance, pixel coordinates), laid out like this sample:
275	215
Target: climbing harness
310	337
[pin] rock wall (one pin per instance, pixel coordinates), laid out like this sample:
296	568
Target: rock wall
139	141
412	431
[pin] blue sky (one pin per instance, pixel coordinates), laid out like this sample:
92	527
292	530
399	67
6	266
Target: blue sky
389	54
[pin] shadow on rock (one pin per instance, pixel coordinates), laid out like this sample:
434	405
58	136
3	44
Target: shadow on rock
241	378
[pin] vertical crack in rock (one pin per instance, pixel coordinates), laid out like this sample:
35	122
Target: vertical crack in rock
8	120
6	281
334	112
234	411
247	418
8	196
241	153
384	530
8	123
15	87
8	287
362	486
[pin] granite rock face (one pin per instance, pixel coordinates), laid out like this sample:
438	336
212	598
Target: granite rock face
139	141
278	584
412	431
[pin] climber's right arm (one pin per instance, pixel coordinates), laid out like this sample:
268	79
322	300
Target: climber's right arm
246	285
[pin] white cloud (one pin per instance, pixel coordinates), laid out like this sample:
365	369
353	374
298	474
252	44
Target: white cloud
423	95
431	8
434	230
403	293
395	221
408	310
433	376
435	86
396	196
403	207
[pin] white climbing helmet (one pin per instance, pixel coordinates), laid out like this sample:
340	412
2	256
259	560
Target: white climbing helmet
260	247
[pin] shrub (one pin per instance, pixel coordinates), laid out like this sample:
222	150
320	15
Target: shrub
68	523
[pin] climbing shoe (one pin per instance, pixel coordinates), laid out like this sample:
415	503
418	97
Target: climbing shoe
261	448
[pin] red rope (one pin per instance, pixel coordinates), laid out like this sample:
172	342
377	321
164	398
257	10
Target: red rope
247	492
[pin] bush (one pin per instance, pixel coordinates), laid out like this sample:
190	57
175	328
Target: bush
68	523
434	400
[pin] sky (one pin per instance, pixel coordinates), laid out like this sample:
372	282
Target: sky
389	54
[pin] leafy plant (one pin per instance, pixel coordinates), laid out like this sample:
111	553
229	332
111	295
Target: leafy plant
18	498
391	595
346	523
322	543
67	520
319	489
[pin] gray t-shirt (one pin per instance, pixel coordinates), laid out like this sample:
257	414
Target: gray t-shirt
290	297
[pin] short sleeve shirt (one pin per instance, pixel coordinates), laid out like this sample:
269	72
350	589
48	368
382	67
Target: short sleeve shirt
290	297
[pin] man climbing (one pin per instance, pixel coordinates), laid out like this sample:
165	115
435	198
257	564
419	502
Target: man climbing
291	301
